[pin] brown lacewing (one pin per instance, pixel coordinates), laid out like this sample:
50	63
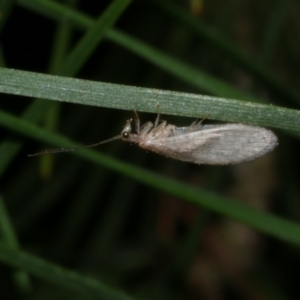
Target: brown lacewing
197	143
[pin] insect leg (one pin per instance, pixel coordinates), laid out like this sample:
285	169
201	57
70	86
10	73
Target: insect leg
199	122
204	118
137	122
158	116
196	122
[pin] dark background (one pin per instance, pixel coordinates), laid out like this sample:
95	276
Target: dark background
94	221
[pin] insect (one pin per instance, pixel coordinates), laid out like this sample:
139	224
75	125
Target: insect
197	143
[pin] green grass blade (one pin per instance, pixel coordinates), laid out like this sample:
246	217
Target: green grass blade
204	81
77	58
262	221
189	74
181	70
79	55
53	273
9	238
219	40
8	149
61	44
55	10
142	99
98	30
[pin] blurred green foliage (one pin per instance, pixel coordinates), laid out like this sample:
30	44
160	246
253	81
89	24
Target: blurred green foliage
122	223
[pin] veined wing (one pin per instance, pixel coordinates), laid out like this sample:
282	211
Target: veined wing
216	144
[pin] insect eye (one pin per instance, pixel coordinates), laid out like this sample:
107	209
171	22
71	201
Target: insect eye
125	134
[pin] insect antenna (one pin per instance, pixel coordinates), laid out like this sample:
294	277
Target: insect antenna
61	150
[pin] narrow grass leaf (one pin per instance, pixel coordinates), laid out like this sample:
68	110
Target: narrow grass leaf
55	274
9	238
189	74
221	42
79	55
94	35
262	221
143	99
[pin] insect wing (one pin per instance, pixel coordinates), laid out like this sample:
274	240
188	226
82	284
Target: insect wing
216	144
